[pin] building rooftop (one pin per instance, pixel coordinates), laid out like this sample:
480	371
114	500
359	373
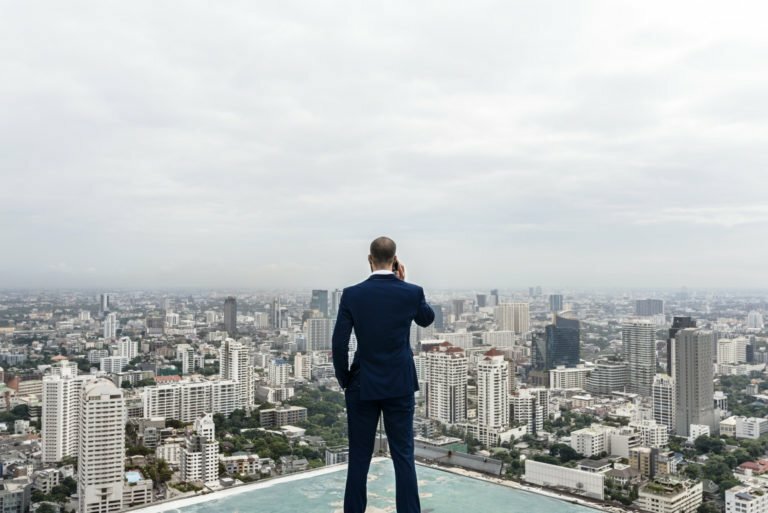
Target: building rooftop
322	491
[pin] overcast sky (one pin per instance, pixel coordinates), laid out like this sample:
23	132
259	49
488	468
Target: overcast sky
264	144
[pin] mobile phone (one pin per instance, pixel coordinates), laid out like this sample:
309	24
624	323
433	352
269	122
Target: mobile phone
395	266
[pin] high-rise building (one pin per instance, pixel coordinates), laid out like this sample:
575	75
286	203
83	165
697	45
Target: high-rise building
608	376
495	297
104	304
185	353
319	302
663	400
492	397
482	300
529	408
458	308
335	301
277	314
694	389
230	316
649	307
559	345
639	346
186	400
110	325
755	321
319	332
302	367
446	383
439	323
279	372
102	448
732	350
678	323
235	365
128	348
60	418
200	456
514	317
556	303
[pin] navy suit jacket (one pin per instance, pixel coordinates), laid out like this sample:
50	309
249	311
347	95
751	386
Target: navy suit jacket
380	310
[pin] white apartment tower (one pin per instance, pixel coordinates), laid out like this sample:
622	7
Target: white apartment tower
446	384
127	348
185	353
279	372
60	428
529	410
102	448
200	456
235	364
302	367
110	325
514	317
663	397
492	397
639	343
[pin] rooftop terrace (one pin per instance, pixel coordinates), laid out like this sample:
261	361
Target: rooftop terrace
322	492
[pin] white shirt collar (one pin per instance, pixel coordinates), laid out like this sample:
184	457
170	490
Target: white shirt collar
381	271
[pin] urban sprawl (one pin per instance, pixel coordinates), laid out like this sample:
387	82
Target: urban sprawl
114	400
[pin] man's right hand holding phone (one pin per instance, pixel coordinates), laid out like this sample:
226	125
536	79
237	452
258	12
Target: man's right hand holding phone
399	269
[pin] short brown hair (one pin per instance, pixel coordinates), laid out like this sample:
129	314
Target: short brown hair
383	250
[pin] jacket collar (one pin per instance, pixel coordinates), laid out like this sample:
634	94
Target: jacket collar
382	277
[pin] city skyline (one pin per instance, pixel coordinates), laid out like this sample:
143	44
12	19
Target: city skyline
264	146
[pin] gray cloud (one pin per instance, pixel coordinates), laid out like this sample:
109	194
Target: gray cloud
264	144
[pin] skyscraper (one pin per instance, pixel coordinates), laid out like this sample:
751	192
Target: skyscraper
446	384
128	348
200	457
276	313
110	325
639	346
663	393
678	323
60	419
335	301
559	345
514	317
492	396
755	320
230	316
458	308
104	306
555	303
319	302
649	307
694	389
482	300
439	323
235	364
318	332
102	448
495	297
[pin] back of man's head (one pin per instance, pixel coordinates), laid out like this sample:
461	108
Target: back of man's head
383	251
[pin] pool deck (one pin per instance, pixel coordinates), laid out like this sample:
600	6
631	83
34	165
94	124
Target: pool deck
172	504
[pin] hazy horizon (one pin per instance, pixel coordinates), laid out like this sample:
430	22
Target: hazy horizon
264	145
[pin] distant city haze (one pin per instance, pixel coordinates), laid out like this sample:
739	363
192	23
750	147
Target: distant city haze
265	144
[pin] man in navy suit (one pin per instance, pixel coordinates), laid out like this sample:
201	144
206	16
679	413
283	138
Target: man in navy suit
382	378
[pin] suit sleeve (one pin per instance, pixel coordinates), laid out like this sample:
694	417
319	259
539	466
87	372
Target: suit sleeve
340	342
424	315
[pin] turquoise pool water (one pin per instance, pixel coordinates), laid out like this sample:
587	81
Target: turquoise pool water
441	493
